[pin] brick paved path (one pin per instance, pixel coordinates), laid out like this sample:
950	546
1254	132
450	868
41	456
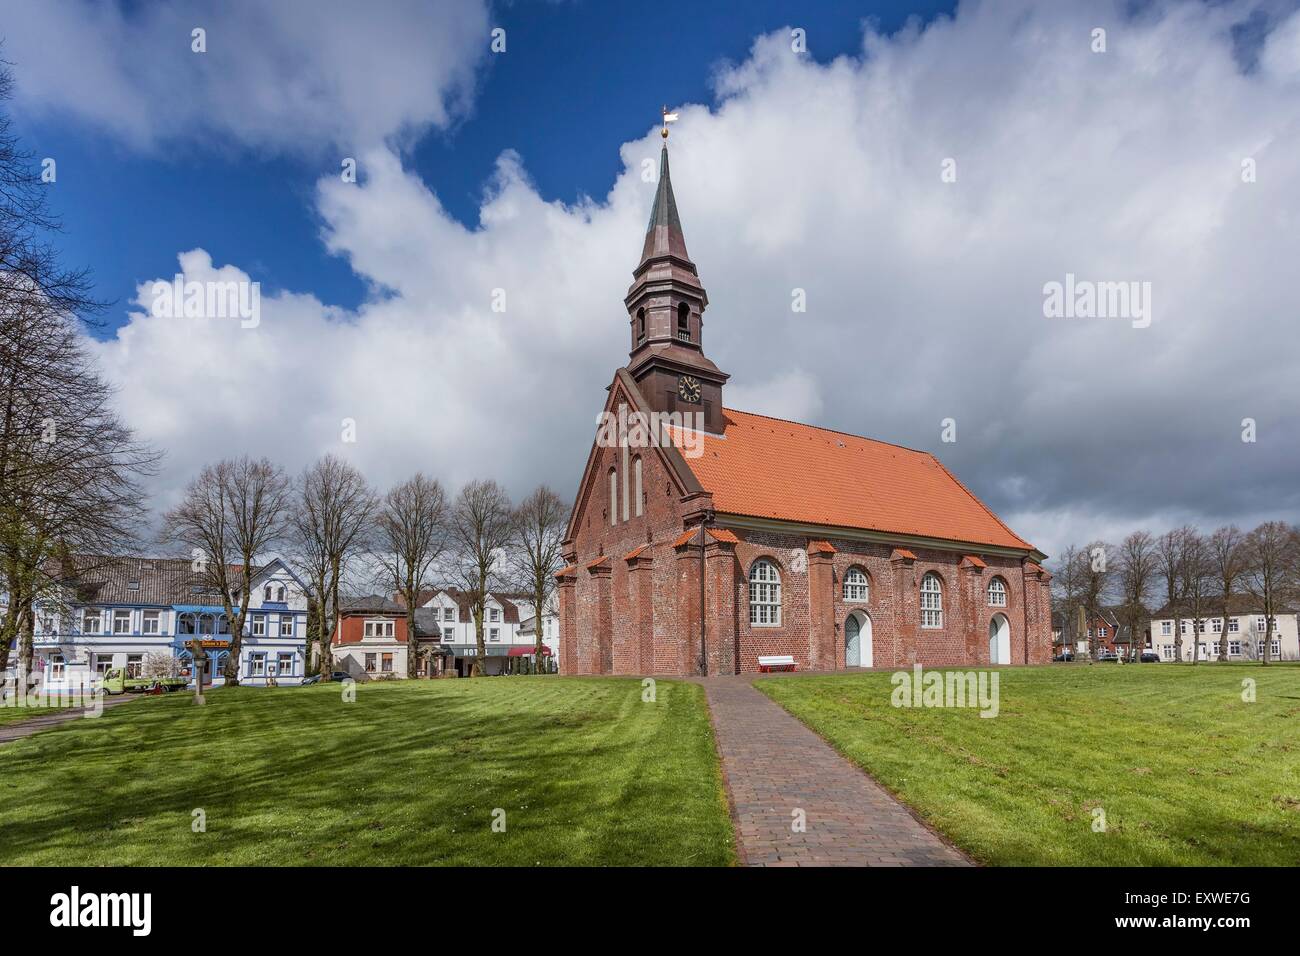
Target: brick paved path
774	764
46	718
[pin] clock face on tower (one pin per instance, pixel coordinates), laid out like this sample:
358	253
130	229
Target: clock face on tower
688	389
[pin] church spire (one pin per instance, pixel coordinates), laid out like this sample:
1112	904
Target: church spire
665	307
664	236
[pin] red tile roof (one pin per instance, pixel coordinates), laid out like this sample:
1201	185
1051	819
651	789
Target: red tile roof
693	534
770	468
686	537
635	552
974	561
821	547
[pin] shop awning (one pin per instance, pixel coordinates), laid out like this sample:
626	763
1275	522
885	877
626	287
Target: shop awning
526	651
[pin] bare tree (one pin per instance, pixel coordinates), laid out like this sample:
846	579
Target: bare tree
1198	585
231	515
1228	556
481	529
70	469
1067	583
1170	548
1269	553
333	514
1136	572
411	537
539	526
1096	572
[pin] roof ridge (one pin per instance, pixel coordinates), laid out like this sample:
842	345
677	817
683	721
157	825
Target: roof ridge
833	431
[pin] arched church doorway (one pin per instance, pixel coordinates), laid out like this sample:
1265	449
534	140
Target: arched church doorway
857	640
999	640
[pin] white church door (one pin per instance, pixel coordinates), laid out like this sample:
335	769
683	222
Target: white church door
999	640
857	640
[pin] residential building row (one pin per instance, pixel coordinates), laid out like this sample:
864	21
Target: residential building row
130	612
117	612
1245	627
372	639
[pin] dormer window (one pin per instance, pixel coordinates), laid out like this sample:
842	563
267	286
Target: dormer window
684	322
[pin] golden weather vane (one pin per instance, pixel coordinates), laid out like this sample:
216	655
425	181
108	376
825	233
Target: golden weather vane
668	118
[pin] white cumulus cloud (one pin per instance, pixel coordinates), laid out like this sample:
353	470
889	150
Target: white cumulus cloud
924	297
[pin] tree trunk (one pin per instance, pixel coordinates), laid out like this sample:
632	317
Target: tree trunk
412	669
479	661
1223	634
27	624
537	625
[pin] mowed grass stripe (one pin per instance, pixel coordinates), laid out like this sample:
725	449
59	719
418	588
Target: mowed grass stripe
1185	771
410	773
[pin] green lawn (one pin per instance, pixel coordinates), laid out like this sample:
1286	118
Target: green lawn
410	773
1185	771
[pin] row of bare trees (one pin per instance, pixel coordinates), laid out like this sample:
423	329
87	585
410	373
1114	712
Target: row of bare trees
340	531
1193	576
71	471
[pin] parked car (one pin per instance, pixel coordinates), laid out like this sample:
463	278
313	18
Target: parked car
1064	656
334	676
116	681
1150	657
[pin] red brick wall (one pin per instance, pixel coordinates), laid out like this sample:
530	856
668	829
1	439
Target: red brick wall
643	615
352	628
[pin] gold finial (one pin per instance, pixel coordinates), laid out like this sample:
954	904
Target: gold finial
668	118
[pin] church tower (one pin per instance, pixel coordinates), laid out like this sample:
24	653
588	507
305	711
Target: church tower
666	305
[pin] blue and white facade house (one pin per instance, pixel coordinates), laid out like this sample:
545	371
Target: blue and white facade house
114	612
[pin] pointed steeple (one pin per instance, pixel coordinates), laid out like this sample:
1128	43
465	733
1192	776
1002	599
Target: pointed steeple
665	308
663	236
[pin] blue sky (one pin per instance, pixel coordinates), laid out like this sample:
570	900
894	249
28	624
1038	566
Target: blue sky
577	79
817	171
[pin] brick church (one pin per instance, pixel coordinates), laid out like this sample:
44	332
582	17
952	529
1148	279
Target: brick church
746	536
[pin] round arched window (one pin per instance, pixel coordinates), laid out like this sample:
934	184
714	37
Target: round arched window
997	593
856	586
764	594
931	601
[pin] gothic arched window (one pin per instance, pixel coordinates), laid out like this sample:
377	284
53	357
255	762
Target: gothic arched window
997	593
856	587
764	594
931	601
